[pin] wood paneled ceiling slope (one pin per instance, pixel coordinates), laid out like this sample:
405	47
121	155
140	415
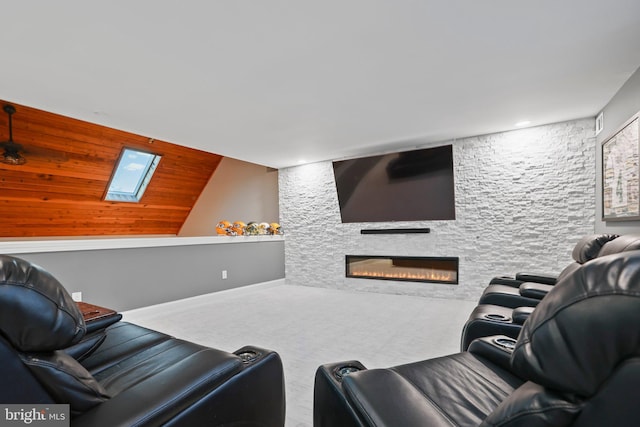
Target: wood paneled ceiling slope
60	189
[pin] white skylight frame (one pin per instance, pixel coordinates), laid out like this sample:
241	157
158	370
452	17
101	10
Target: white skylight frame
132	175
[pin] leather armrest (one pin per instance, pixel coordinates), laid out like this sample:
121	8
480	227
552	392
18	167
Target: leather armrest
488	348
330	405
383	397
507	281
544	278
520	314
534	290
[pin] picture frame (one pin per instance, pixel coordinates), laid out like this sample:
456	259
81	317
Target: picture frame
620	173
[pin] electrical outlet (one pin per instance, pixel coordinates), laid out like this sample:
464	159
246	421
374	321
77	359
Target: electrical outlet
77	296
224	274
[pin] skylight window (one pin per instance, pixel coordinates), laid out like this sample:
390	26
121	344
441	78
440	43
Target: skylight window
132	175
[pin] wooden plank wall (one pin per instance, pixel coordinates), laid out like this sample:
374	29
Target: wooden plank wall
60	190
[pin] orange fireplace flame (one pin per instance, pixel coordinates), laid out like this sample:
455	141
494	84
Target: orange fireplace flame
432	275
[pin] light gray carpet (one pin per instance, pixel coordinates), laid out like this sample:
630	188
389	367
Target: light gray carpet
312	326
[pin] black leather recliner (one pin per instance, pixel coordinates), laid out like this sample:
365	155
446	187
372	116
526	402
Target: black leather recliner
123	375
529	293
491	319
585	250
575	363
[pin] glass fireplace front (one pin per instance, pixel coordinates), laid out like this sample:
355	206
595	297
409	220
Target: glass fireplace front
403	268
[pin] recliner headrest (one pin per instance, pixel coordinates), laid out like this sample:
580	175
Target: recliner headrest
626	242
36	312
589	247
584	327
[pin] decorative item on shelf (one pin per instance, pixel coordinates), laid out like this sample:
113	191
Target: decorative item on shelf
252	229
238	227
274	229
263	228
223	228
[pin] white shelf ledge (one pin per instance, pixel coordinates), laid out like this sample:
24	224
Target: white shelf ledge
89	244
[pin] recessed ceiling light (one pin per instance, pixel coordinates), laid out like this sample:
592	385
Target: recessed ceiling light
523	123
302	162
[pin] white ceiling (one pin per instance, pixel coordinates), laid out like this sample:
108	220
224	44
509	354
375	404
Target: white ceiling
278	81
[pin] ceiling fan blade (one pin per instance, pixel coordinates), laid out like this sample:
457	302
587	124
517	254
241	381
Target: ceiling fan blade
33	151
14	153
11	156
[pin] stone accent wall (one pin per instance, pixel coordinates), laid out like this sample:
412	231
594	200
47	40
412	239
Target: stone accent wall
523	198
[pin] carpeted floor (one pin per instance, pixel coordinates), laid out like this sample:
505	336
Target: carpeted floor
311	326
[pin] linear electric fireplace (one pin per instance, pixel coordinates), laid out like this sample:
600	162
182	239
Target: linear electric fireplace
404	268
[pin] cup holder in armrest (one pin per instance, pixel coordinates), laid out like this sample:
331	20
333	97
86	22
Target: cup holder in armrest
248	356
344	370
497	317
505	342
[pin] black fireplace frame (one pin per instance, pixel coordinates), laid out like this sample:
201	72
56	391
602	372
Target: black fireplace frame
405	258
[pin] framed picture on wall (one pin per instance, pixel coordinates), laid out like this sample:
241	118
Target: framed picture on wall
620	170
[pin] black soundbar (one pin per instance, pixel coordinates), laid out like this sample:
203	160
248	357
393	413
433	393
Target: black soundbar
396	231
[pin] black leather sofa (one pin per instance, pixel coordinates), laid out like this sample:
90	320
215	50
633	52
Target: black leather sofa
123	374
491	319
585	250
527	289
575	363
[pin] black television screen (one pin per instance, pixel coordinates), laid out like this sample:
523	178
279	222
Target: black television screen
407	186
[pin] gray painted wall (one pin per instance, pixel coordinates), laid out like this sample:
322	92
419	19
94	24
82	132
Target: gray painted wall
622	106
124	279
237	191
523	199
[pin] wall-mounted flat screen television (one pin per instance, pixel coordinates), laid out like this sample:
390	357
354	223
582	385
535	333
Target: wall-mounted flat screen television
415	185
